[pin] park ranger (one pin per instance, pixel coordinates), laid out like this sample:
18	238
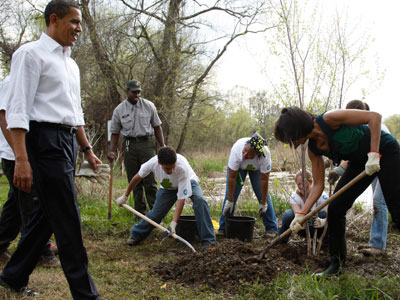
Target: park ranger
136	119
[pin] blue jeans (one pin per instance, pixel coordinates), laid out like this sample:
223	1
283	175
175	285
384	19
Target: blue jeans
379	226
269	219
165	199
288	217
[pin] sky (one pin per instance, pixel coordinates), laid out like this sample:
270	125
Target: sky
243	64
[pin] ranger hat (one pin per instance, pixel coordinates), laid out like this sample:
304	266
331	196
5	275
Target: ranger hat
134	85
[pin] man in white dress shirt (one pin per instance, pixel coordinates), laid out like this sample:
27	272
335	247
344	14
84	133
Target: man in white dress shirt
46	122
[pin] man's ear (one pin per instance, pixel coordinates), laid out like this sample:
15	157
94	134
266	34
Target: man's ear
53	19
159	162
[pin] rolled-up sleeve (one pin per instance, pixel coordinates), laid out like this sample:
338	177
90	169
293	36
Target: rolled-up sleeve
24	81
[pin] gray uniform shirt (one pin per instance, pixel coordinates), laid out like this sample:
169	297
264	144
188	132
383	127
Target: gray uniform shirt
135	120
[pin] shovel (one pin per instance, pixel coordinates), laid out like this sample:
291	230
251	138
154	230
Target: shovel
314	212
155	224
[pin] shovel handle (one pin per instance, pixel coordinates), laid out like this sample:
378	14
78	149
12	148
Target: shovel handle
315	211
155	224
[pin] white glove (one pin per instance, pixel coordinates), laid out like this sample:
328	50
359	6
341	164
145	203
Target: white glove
262	209
122	200
319	223
172	227
228	208
372	165
295	226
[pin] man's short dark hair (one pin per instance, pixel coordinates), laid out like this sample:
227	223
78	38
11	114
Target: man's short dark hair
293	124
59	7
167	155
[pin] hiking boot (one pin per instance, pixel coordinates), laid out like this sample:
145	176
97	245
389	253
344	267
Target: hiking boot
336	267
131	241
22	291
220	233
270	235
49	262
4	257
371	251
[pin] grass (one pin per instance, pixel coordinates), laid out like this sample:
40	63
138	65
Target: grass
122	272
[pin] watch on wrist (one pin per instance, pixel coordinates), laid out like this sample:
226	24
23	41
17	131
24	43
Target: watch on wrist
84	149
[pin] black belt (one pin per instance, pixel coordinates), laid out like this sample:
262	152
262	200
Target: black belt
138	138
70	129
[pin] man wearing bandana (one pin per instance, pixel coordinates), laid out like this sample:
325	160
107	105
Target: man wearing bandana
249	156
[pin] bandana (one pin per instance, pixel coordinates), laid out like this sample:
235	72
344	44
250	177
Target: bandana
257	143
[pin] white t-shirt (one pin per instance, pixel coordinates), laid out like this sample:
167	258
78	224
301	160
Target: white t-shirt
237	162
179	179
296	199
5	149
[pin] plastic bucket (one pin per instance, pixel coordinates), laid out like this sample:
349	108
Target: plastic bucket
240	227
187	228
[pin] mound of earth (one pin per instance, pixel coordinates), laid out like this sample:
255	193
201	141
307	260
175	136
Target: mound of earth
229	262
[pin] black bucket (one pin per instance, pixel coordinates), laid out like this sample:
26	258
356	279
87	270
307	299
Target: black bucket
187	228
240	227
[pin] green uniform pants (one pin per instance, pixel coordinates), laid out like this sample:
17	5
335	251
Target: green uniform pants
137	153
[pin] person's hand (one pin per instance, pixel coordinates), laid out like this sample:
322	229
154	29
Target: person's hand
335	174
172	227
319	223
228	208
111	157
262	209
295	225
372	166
122	200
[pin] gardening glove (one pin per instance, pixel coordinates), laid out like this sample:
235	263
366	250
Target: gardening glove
122	200
172	227
319	223
228	209
295	226
335	174
372	165
103	173
262	209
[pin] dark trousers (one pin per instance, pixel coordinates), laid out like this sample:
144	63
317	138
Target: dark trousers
52	155
137	153
16	211
388	177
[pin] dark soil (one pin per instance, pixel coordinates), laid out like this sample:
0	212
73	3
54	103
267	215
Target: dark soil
229	262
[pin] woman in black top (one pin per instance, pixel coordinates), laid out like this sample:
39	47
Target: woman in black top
352	135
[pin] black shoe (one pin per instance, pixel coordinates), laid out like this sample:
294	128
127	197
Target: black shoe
22	291
335	268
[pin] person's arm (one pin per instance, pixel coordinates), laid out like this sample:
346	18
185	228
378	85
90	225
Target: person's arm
134	182
318	173
231	184
22	172
159	135
178	209
89	154
339	117
264	177
113	147
3	125
296	208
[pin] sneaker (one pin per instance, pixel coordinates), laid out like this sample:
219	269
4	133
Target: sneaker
4	257
131	241
49	262
371	251
22	291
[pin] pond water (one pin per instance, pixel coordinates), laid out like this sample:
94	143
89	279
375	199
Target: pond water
281	184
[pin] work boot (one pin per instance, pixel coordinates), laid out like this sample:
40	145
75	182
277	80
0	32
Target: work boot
336	267
371	251
22	291
131	241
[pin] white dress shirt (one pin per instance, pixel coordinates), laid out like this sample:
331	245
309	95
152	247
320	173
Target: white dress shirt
44	85
5	149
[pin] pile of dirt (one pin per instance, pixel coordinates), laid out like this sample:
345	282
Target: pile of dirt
229	262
